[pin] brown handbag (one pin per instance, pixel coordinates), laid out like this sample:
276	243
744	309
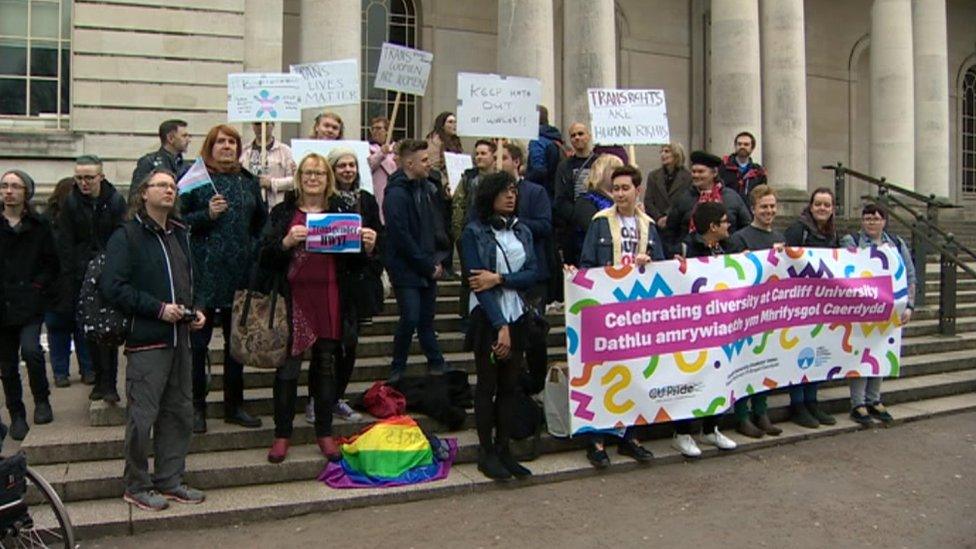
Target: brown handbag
259	329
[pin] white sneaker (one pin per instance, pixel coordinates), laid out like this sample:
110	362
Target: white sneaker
310	412
554	308
686	445
719	440
345	411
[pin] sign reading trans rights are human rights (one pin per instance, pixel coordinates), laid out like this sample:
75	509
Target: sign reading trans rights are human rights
685	339
628	117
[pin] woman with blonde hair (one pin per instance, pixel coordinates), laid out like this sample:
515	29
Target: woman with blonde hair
328	126
316	288
596	198
665	184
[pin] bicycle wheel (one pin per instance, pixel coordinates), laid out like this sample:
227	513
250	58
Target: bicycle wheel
47	525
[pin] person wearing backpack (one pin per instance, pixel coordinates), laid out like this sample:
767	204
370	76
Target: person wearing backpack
866	403
90	213
545	154
28	274
149	277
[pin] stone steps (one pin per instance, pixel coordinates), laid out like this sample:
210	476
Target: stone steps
256	502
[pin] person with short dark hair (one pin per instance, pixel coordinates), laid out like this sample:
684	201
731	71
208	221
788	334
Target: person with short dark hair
570	184
815	228
499	254
545	154
148	275
412	233
174	140
739	172
28	280
225	218
535	211
89	216
866	405
621	234
706	186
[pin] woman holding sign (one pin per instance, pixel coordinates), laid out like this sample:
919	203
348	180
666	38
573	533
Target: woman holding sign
814	229
499	257
320	308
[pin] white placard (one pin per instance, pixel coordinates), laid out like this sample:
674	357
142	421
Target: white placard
456	164
302	147
628	117
329	83
264	97
490	105
403	69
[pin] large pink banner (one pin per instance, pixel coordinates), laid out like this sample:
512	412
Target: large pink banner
647	327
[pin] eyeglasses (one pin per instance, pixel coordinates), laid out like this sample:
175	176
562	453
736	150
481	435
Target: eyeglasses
13	186
87	178
314	173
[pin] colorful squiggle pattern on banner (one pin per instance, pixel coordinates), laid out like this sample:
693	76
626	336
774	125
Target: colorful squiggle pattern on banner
631	387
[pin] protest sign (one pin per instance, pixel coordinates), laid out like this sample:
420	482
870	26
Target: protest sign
302	147
490	105
329	83
263	97
455	165
628	117
684	338
334	233
403	69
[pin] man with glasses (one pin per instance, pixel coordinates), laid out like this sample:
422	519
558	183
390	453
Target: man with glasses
90	214
174	140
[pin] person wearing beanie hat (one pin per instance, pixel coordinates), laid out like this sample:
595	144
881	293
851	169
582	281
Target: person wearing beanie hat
29	271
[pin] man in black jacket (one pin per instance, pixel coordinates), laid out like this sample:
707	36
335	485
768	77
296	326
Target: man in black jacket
28	272
174	140
148	275
738	171
410	257
91	212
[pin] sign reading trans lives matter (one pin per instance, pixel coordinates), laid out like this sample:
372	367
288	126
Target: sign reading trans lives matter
263	97
685	339
403	69
498	106
628	117
329	83
334	233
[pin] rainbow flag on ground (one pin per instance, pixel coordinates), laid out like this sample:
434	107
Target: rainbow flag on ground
391	452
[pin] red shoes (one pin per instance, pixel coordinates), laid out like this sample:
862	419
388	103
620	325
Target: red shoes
329	448
279	450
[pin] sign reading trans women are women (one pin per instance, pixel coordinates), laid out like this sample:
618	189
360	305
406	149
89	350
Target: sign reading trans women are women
685	338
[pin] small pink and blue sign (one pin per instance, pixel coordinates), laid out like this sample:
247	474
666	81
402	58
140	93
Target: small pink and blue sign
334	233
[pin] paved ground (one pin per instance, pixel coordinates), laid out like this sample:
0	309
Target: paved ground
909	486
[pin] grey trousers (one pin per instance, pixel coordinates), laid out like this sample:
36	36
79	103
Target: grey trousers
865	391
159	390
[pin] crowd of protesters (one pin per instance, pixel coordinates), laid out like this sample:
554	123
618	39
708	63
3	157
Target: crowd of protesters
517	219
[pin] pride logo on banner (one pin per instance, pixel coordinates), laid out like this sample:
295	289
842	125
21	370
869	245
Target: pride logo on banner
334	233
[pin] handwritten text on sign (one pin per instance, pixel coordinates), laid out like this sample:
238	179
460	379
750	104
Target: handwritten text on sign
259	97
628	117
329	83
403	69
332	233
490	105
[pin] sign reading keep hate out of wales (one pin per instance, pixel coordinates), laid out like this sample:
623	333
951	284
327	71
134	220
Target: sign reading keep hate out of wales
403	69
628	117
329	83
263	97
490	105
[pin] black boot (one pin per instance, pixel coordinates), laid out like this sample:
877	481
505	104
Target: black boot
199	421
823	417
802	417
491	466
18	427
509	462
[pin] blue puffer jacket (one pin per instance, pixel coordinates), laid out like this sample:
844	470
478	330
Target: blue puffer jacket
481	252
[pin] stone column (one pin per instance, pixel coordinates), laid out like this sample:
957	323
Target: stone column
784	93
332	30
589	55
734	90
263	33
892	92
525	45
931	97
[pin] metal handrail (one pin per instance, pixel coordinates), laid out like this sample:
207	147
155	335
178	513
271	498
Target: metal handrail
926	235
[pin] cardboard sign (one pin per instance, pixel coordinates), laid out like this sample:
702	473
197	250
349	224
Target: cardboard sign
490	105
628	117
334	233
301	147
456	164
403	69
329	83
263	97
